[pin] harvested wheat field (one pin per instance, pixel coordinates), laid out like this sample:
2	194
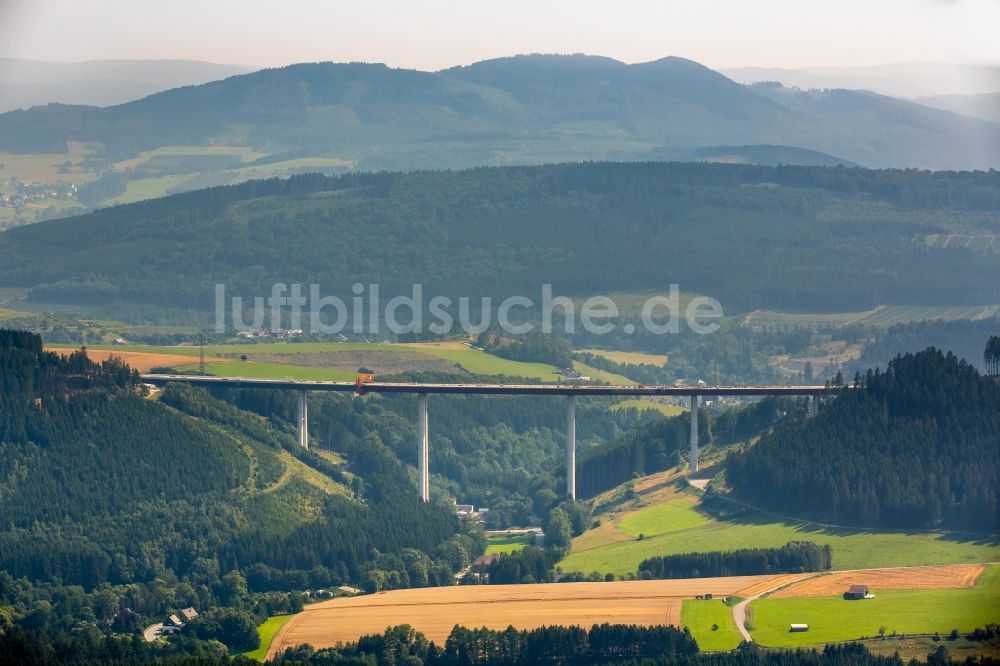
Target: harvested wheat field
773	582
141	361
434	611
942	577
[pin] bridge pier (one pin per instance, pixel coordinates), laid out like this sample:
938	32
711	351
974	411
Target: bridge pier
571	447
303	427
422	449
813	405
694	433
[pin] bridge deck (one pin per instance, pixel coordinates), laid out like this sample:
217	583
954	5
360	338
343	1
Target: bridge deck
485	389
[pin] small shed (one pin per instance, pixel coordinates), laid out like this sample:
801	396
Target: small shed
799	627
859	592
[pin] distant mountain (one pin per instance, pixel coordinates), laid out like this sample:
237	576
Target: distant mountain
766	156
984	107
27	83
525	109
906	79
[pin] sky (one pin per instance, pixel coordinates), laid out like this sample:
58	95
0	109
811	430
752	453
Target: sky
434	34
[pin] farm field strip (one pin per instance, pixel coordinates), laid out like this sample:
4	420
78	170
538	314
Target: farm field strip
434	611
883	316
899	578
141	361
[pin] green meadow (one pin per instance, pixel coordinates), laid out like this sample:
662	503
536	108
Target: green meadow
508	544
267	631
700	615
673	528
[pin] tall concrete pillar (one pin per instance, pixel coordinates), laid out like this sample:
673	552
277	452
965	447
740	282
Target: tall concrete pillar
813	405
303	429
422	448
694	433
571	447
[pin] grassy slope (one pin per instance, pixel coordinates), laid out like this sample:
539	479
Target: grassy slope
671	516
903	611
629	357
852	549
637	403
699	615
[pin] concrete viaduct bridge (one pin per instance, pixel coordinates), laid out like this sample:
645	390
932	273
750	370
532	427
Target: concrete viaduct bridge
569	391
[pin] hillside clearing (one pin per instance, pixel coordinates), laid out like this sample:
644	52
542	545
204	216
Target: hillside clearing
629	357
643	405
508	544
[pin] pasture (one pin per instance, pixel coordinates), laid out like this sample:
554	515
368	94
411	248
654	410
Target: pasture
672	516
700	615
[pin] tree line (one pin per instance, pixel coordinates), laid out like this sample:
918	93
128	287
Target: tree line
793	557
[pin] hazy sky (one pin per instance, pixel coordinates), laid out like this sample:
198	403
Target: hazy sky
433	34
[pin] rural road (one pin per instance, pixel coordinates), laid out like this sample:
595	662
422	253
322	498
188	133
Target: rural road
740	610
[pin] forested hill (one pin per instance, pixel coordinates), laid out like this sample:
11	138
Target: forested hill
526	109
184	500
916	445
798	238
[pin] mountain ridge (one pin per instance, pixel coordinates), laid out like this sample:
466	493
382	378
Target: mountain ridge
536	108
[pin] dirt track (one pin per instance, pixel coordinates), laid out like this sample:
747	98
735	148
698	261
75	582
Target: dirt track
434	611
941	577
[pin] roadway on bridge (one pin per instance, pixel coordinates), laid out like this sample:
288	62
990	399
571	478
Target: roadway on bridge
484	389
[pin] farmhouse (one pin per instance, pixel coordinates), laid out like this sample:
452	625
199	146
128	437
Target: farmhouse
859	592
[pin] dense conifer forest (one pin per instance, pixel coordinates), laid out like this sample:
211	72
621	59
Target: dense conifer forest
914	445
